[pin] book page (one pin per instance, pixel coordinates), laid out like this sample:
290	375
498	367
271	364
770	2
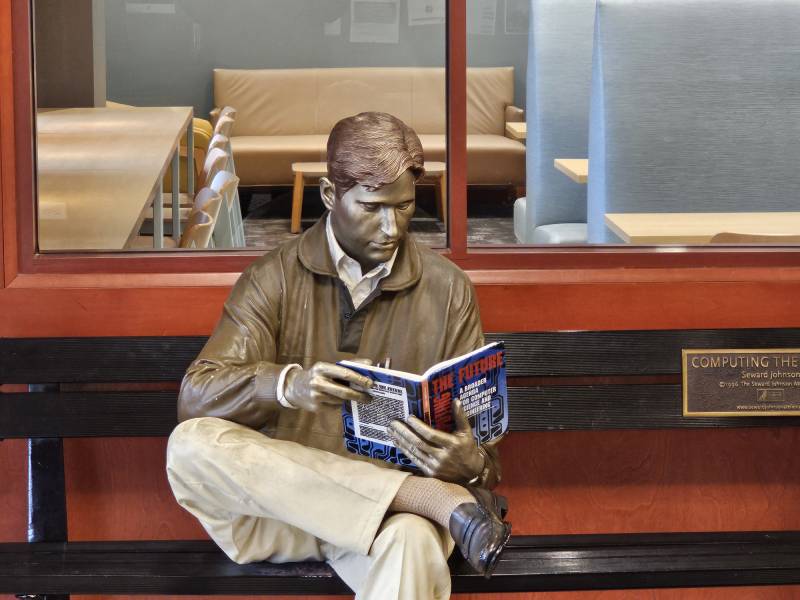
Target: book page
389	403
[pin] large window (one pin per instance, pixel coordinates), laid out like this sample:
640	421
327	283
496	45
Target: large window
132	95
643	124
578	132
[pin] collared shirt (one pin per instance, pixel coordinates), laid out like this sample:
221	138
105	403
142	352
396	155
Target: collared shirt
284	309
360	285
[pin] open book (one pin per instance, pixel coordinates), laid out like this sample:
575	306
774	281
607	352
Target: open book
478	379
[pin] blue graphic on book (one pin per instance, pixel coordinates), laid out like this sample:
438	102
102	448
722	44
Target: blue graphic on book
372	448
478	379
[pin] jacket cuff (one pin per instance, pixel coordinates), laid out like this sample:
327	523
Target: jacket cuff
266	382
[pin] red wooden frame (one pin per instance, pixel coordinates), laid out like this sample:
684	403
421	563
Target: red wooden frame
473	257
519	289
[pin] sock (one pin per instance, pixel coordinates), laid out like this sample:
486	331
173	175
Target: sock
430	498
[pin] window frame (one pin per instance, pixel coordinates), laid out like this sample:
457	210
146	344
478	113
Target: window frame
20	240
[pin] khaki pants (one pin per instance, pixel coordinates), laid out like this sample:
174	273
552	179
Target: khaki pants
265	499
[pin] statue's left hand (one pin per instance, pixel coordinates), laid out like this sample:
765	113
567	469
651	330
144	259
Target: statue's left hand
446	456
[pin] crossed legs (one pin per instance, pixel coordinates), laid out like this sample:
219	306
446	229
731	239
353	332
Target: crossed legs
265	499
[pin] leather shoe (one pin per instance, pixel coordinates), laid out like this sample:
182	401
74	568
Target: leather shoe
479	531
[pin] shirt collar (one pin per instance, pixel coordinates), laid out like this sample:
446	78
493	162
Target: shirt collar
314	254
347	267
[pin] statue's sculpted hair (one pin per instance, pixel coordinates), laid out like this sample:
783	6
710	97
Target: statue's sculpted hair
372	149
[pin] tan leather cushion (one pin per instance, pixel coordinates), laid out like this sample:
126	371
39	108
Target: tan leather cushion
267	160
491	159
311	101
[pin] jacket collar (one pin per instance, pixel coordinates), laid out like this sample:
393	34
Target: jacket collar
316	257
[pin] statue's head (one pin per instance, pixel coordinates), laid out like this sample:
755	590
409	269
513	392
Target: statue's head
374	161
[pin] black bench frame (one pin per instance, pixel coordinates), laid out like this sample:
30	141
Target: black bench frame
600	394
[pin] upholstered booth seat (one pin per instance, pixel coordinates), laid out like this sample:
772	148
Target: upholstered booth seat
284	116
491	159
559	86
554	233
268	158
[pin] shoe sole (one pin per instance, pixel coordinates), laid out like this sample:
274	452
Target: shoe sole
494	557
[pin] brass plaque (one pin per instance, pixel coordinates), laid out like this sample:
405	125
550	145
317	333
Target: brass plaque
741	383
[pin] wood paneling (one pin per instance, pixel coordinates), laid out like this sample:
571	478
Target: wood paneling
13	496
557	482
6	128
456	129
55	311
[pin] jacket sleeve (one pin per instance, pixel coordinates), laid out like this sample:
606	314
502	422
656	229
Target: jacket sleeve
465	333
235	376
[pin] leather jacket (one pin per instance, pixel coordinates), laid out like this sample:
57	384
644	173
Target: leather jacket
291	307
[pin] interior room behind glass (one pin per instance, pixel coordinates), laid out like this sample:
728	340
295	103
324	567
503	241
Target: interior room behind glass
125	87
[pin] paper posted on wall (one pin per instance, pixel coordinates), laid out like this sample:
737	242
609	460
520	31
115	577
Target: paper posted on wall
476	379
375	21
481	17
426	12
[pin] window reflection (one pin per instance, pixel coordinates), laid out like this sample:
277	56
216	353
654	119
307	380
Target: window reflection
646	123
497	44
214	116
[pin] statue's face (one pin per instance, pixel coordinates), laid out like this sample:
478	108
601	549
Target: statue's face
370	225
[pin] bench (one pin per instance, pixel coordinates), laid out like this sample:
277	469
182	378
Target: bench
557	381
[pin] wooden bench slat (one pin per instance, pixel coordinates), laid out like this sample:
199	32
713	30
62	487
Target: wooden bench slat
577	353
81	414
530	563
534	354
602	407
97	360
550	408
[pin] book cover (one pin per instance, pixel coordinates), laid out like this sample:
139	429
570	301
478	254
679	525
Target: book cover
478	379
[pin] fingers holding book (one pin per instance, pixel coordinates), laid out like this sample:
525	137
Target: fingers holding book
325	384
448	456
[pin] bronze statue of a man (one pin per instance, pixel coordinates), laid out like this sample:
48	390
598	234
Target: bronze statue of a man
259	456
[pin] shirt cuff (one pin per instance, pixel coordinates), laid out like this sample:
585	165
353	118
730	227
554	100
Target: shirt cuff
281	384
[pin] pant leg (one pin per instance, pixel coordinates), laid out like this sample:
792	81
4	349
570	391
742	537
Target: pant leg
407	561
261	498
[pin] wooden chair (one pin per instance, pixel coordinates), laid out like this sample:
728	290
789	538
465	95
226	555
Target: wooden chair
219	141
216	161
199	231
730	237
226	111
206	201
227	234
224	126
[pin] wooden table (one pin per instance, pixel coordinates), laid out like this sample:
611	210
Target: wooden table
517	131
697	228
315	170
576	169
99	169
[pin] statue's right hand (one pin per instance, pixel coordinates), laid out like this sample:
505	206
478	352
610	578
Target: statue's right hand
324	384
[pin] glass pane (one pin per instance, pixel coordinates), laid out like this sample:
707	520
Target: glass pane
644	124
497	49
133	83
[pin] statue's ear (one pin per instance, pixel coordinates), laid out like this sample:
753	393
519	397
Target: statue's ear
327	190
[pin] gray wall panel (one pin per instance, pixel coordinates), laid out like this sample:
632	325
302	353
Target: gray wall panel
167	58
